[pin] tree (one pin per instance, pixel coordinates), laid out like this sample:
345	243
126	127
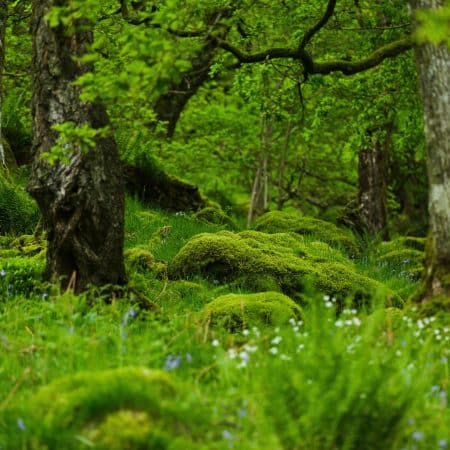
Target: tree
3	18
433	64
81	194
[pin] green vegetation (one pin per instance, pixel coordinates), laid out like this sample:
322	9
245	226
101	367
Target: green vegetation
212	221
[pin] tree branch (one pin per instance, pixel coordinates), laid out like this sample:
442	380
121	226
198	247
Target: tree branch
309	34
378	56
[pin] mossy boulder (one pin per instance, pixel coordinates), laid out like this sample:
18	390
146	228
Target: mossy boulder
128	409
281	222
237	311
286	260
215	215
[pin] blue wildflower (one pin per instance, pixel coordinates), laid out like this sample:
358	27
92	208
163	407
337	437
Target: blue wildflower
20	424
442	443
172	362
188	358
417	436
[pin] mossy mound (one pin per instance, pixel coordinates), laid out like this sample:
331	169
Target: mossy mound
281	222
284	259
18	212
140	258
403	242
238	311
405	254
215	216
127	409
21	276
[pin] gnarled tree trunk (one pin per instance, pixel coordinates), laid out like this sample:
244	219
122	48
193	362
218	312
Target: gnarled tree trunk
433	64
82	201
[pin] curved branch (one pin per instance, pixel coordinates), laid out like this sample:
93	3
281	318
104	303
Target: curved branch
374	59
309	34
312	67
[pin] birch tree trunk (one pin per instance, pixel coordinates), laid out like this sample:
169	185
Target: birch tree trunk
82	201
433	64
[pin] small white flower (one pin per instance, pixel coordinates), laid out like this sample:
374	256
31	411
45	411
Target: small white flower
250	348
232	353
276	340
328	304
215	343
245	332
284	357
356	322
273	350
326	297
339	323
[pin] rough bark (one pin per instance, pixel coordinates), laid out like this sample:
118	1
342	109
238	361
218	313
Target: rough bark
372	186
3	18
433	64
82	202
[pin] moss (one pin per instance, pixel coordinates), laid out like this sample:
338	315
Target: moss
140	258
215	215
136	432
437	306
403	242
279	222
18	212
237	311
128	408
285	259
28	245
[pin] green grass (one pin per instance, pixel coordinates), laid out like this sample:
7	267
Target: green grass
368	379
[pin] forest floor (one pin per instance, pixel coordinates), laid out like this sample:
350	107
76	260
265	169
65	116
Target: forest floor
204	351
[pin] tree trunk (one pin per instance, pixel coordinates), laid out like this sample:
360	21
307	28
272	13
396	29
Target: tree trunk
372	186
433	64
169	106
82	201
3	18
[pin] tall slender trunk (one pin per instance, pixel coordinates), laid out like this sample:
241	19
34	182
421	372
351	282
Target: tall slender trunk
3	19
82	201
372	185
260	191
433	64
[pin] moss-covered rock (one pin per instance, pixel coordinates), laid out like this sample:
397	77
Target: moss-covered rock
216	216
140	258
128	409
285	259
281	222
237	311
